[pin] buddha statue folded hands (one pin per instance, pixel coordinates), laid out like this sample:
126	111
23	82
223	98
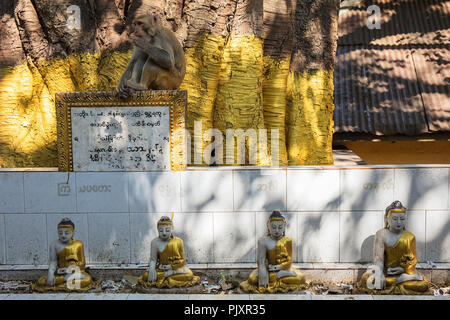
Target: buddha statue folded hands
66	264
167	267
275	272
394	270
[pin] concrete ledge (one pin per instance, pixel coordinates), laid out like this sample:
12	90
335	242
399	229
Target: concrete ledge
315	272
303	266
135	296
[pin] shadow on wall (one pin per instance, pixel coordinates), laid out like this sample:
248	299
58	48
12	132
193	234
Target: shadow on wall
233	234
367	249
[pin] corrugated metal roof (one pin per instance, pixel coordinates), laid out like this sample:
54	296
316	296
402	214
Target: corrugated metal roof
433	75
402	22
376	92
395	80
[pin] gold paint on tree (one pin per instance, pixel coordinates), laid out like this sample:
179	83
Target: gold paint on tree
203	62
239	96
310	118
274	102
230	86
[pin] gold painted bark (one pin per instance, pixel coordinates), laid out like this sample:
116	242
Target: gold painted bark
250	65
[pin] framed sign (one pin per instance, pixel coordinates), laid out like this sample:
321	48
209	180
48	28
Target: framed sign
99	131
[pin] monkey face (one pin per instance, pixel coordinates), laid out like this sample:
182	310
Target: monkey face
144	26
138	29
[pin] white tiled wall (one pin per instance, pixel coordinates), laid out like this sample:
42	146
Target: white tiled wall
47	192
105	193
143	230
366	189
333	213
26	239
234	237
422	188
356	234
438	235
109	238
318	236
206	191
11	192
254	191
305	185
154	191
2	239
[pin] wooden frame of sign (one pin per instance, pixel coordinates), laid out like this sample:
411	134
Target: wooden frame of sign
144	114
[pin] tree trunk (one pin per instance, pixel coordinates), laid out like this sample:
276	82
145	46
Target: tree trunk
251	64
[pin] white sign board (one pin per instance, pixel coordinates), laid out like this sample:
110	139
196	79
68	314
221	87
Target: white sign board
120	138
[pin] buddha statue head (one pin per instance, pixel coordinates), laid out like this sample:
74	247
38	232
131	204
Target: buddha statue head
395	217
66	230
276	225
165	228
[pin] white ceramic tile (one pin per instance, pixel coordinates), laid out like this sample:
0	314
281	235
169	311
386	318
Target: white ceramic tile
312	190
416	224
196	230
2	239
366	189
356	235
109	238
81	229
49	192
255	191
102	192
318	236
291	228
154	191
207	191
234	237
438	236
26	239
11	192
422	188
143	231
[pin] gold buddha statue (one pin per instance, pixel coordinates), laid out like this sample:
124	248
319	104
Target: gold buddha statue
394	258
275	272
66	270
167	267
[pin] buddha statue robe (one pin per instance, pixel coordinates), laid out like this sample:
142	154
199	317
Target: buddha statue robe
402	254
172	254
71	255
281	254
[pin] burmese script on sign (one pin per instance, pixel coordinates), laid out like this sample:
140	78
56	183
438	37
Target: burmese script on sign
120	138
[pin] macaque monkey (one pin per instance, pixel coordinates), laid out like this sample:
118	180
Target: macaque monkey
158	60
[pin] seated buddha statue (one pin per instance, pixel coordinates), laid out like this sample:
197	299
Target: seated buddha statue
274	258
394	258
167	267
66	270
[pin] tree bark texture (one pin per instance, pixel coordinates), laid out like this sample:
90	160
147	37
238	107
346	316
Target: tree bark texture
251	64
